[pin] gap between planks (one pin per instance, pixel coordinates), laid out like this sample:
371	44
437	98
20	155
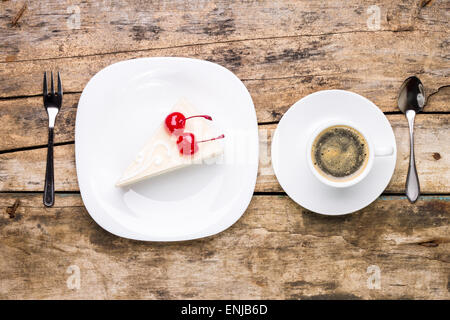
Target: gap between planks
255	194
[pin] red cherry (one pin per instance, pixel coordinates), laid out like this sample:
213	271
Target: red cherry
176	122
188	146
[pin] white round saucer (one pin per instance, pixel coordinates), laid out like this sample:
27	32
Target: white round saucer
289	151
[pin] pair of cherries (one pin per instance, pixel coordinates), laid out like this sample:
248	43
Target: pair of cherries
186	142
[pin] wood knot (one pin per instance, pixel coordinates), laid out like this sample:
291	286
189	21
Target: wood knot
436	156
430	244
424	3
10	58
11	211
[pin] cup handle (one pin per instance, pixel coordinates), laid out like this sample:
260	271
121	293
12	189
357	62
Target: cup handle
384	152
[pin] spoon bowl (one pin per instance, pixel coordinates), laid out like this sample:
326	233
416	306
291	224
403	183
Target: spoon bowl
411	95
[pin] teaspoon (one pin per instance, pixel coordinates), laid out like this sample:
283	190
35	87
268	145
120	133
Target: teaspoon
411	100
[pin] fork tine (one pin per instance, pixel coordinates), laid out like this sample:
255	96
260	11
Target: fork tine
60	90
51	85
45	83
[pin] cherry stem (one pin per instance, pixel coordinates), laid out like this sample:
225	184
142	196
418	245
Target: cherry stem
216	138
202	116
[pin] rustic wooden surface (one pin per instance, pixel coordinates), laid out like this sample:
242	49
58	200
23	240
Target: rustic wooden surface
282	50
276	250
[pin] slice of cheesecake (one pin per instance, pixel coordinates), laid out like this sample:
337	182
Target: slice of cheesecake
161	154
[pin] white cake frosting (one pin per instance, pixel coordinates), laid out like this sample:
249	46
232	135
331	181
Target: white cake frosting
161	155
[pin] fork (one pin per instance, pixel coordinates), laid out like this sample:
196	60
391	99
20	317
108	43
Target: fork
52	104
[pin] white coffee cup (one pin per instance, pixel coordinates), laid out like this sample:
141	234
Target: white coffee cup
373	151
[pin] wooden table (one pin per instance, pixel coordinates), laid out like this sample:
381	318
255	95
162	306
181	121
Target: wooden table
282	51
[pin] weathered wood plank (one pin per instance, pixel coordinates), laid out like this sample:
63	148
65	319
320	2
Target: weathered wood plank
432	150
52	28
24	170
23	121
280	71
277	250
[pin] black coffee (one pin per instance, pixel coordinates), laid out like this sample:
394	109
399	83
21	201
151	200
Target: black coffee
340	152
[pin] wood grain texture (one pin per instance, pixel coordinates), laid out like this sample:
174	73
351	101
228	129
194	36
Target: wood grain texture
23	121
50	29
277	250
431	147
280	71
24	170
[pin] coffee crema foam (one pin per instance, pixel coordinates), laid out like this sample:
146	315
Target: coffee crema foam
340	153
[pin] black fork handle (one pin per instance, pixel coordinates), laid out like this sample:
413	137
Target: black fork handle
49	187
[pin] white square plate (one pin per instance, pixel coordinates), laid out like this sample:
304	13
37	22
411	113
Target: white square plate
119	109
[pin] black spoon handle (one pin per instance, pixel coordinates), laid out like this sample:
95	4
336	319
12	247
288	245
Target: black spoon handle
49	187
